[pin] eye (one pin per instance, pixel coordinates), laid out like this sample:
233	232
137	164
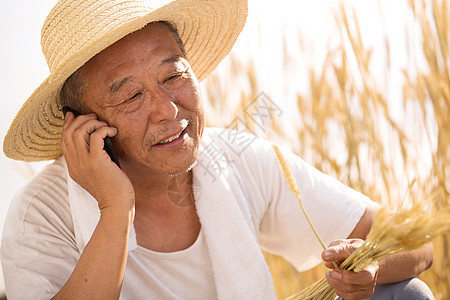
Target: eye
134	97
172	77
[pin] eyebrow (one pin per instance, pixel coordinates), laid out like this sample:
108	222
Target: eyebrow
171	59
116	85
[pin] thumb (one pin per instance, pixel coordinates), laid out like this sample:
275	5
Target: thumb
340	250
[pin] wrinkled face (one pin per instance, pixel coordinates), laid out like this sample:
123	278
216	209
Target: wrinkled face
143	86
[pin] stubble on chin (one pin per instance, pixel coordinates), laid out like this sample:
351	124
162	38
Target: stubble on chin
173	171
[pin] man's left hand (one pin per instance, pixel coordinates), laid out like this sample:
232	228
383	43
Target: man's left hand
347	284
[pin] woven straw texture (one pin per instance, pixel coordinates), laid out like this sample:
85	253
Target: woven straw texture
75	31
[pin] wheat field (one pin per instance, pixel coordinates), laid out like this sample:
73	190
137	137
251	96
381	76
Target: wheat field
346	126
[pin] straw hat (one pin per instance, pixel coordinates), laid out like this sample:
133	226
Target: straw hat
76	30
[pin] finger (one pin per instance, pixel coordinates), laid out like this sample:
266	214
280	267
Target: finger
329	253
337	242
72	124
64	148
83	132
354	295
97	138
334	279
339	252
68	118
67	141
364	277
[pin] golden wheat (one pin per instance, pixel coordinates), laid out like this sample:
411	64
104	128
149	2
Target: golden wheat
404	231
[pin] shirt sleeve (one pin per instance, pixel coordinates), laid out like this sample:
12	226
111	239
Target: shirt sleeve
38	249
333	208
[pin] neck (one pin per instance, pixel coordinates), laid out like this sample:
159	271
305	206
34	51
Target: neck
166	218
156	190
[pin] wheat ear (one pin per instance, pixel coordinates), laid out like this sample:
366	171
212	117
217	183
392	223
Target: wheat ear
294	188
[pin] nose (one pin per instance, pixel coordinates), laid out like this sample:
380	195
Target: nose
162	106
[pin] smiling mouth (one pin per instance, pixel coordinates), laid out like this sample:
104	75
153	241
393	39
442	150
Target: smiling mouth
184	123
171	138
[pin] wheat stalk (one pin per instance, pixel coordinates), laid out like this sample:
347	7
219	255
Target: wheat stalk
406	230
296	190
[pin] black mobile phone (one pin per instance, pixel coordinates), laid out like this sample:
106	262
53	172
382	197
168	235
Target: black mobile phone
108	147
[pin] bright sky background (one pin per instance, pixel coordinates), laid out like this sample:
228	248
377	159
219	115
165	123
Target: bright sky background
23	66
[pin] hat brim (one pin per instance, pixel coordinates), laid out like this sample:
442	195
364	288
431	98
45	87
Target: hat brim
208	30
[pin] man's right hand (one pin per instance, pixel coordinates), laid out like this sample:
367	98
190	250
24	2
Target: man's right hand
91	167
100	270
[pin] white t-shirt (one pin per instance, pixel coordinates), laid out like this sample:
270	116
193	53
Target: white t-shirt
41	245
194	277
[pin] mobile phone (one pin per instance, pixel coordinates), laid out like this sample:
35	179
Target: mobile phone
108	146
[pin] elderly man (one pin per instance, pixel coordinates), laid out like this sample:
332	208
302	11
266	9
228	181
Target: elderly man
154	225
